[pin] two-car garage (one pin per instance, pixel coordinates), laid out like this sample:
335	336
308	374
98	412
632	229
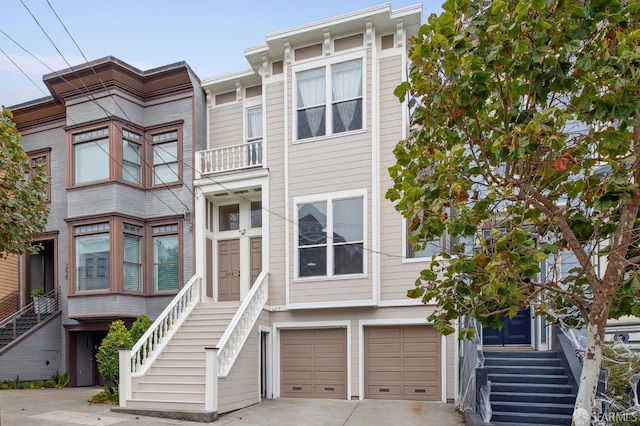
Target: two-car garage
400	362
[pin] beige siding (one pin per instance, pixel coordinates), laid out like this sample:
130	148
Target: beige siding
226	125
8	274
242	386
396	277
395	316
274	134
330	290
326	165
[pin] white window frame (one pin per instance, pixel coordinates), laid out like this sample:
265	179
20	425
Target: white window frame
327	63
329	198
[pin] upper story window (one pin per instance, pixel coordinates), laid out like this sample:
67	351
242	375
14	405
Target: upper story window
331	237
40	160
329	99
91	156
131	157
114	153
166	163
254	135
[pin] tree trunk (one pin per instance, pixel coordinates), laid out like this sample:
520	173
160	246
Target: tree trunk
590	372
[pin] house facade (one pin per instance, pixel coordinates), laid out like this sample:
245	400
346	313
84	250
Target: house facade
118	146
292	185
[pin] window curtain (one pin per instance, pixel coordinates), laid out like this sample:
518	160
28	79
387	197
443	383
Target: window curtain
254	134
347	86
311	93
254	123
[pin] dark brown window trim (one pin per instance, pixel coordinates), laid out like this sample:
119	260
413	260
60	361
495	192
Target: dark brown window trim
116	127
116	253
46	153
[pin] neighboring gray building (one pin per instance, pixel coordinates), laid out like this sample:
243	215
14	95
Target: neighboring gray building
118	144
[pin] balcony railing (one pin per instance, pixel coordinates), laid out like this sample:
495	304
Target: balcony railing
230	158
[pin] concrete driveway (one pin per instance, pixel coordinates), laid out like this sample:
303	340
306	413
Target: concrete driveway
56	407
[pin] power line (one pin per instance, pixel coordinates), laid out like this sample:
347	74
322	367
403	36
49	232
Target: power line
110	115
109	92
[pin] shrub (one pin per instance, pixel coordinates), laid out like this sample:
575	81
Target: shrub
109	395
139	327
108	355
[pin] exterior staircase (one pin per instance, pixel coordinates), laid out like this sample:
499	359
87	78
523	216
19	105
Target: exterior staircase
176	380
529	388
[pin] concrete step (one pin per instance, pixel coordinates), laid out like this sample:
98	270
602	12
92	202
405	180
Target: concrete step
532	397
172	395
166	405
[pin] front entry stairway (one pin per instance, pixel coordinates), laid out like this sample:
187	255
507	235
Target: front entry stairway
528	388
176	380
173	370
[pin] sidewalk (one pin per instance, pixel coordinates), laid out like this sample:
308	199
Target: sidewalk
69	406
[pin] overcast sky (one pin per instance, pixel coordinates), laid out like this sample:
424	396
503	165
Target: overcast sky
210	35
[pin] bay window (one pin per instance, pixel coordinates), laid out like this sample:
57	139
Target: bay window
331	237
132	265
165	158
131	160
92	250
91	156
165	241
329	99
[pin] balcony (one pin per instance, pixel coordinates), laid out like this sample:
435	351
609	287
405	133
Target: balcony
230	158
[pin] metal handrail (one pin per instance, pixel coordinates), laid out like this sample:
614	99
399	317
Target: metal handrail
31	308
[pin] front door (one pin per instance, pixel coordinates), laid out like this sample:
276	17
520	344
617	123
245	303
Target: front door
84	359
228	270
256	258
516	330
41	268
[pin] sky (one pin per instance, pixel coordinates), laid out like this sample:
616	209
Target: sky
210	35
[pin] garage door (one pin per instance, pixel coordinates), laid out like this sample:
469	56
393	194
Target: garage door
313	363
403	363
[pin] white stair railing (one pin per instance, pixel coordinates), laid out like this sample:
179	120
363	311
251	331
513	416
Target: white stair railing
136	361
240	326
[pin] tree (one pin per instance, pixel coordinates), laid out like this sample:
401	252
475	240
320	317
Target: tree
22	192
525	119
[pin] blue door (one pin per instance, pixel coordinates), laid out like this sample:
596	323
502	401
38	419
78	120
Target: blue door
516	331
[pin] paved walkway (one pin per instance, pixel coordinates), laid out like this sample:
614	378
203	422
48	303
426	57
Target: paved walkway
69	406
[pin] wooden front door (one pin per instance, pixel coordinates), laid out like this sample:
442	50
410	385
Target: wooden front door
256	258
229	270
